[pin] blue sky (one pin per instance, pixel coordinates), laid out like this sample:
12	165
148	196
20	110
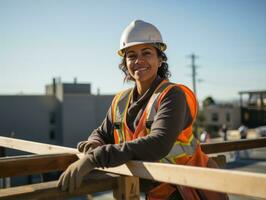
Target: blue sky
40	40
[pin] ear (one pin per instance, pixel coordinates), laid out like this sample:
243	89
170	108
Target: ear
160	62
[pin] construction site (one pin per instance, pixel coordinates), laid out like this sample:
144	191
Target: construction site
124	180
132	100
32	176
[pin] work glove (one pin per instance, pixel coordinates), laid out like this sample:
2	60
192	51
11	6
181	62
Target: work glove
87	146
71	179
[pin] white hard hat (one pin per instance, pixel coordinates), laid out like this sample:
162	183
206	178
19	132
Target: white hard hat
140	32
242	128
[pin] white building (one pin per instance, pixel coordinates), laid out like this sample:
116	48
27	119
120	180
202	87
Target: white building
218	114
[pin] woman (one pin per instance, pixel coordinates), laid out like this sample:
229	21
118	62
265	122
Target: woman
151	122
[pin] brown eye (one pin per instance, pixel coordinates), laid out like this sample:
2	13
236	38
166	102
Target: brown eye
131	56
146	53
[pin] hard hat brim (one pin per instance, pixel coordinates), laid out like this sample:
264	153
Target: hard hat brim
162	46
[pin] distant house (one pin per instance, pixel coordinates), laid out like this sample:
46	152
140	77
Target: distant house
215	115
253	108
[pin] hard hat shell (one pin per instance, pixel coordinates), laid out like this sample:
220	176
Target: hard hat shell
140	32
242	128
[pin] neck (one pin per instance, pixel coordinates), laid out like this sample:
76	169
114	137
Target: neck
142	87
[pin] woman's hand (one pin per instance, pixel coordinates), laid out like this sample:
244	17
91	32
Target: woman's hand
72	178
87	146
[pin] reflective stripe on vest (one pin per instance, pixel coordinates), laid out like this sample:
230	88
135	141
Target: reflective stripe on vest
180	150
119	104
186	143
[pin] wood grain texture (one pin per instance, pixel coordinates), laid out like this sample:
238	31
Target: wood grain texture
234	182
49	190
34	164
220	147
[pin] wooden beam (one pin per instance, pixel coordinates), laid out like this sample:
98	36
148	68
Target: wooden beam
32	164
235	182
33	147
49	190
42	148
2	151
219	147
35	164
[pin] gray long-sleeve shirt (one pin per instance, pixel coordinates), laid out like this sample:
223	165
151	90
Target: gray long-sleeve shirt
172	117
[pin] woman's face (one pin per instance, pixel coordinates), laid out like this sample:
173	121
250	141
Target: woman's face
142	62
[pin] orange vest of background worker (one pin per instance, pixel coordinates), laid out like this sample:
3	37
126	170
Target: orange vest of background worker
185	151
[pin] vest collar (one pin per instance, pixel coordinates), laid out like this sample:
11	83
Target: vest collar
147	94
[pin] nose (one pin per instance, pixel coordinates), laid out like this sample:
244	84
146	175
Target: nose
139	59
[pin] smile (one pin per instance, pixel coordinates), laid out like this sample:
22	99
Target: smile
141	69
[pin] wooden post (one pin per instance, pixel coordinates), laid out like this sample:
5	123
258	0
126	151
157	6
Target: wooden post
2	151
128	188
2	154
4	182
220	160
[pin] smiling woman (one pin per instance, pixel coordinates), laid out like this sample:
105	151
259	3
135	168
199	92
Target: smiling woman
142	64
163	71
150	122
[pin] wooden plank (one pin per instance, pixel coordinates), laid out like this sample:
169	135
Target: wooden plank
220	161
235	182
42	148
50	191
32	164
233	145
33	147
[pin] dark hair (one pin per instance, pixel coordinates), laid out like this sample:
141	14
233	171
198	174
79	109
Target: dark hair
163	71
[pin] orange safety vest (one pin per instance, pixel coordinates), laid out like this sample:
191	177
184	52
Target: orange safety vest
186	149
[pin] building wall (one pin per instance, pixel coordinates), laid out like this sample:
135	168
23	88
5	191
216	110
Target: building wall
28	117
217	115
60	118
45	119
34	118
81	114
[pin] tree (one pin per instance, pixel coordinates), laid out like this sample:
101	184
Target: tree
208	101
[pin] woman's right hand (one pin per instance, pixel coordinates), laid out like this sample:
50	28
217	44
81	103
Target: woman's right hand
87	146
72	177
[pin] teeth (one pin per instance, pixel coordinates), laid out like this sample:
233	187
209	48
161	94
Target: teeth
142	69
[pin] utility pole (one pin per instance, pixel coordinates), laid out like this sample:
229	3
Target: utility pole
194	73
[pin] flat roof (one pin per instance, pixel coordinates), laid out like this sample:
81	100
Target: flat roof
252	92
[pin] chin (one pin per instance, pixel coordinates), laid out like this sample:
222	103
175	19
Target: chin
142	79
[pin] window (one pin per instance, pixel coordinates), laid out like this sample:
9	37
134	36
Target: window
227	117
215	117
52	118
52	134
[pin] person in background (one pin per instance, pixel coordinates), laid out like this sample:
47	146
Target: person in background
150	122
205	137
224	131
243	131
